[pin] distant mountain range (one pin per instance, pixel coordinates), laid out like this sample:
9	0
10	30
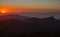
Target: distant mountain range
24	23
17	25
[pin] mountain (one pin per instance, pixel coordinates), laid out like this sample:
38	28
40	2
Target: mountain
29	23
25	24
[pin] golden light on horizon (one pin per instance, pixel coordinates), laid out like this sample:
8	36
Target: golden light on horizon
3	11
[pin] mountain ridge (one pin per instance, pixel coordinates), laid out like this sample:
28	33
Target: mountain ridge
16	22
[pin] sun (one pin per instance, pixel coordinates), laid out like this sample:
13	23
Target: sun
3	11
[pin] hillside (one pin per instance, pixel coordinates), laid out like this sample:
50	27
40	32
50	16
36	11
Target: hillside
24	25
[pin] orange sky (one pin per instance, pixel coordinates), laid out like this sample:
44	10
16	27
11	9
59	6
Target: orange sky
10	9
30	5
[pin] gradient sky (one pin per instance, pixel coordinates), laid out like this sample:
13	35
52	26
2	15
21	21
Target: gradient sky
31	4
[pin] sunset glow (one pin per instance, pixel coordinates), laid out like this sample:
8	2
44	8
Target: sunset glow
3	11
29	6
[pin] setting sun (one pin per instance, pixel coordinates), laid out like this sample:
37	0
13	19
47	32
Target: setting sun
3	11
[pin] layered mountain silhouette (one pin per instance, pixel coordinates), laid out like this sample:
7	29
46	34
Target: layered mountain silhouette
24	24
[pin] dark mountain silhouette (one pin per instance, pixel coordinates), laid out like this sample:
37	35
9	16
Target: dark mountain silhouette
23	26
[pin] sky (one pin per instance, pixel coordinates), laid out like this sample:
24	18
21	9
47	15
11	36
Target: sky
30	5
36	7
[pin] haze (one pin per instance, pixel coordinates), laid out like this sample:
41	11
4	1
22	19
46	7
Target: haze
31	6
45	4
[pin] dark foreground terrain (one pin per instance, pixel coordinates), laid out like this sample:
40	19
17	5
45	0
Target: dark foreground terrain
23	26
